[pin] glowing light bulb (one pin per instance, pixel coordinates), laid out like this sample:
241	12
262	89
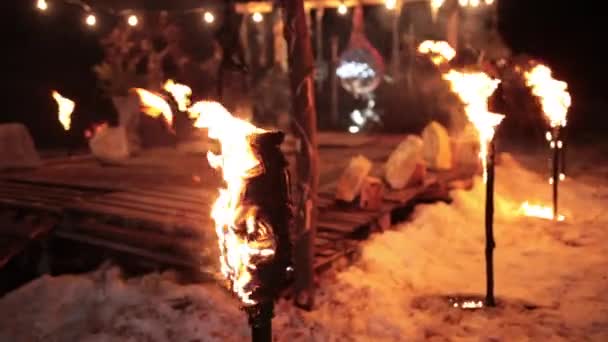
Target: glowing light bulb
132	20
489	2
342	9
353	129
42	5
562	177
463	3
208	17
390	4
257	17
91	20
474	3
548	136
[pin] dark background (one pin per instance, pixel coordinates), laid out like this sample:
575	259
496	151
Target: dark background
56	51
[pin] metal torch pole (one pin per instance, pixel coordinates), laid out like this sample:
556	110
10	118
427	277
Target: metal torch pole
490	244
260	321
555	177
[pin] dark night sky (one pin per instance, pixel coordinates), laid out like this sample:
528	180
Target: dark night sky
57	51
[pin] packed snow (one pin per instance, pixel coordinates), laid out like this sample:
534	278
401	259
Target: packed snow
551	281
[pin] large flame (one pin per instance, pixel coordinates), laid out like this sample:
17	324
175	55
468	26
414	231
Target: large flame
154	105
180	92
553	94
440	52
474	89
244	240
539	211
66	108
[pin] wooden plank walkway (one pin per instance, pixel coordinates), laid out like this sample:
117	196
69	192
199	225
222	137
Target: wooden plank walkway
157	207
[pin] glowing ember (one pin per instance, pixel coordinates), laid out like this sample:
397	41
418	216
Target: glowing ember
539	211
66	108
245	240
154	105
553	94
91	132
439	51
474	89
469	304
180	92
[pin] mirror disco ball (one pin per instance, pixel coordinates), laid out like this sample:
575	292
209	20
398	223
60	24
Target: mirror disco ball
359	71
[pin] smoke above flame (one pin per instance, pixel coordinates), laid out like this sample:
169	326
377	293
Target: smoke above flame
439	52
245	240
474	89
553	94
66	108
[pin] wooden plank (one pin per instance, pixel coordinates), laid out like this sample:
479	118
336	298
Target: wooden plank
152	221
49	190
9	248
28	229
163	258
191	206
36	206
202	214
192	247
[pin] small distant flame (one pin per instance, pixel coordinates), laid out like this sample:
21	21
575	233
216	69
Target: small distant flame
154	105
180	92
474	89
553	94
95	129
539	211
245	240
440	52
66	108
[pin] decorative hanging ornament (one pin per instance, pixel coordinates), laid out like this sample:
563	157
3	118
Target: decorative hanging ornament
361	66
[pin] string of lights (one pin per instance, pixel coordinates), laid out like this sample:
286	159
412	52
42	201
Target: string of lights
131	17
92	15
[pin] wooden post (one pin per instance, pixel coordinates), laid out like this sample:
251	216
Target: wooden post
305	121
490	244
319	40
335	118
556	170
395	55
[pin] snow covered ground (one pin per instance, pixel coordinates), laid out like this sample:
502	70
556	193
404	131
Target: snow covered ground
551	281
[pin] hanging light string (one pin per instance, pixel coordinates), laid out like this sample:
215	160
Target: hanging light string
91	14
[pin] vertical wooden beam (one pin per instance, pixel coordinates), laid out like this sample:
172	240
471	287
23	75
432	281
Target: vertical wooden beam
301	68
395	55
319	41
335	115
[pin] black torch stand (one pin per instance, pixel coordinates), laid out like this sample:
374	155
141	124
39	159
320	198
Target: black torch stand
490	244
557	146
260	321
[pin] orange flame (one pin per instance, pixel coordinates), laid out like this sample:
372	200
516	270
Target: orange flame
244	239
439	51
539	211
553	94
180	92
154	105
474	89
66	108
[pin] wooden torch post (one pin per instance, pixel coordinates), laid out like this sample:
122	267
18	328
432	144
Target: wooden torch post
490	244
301	67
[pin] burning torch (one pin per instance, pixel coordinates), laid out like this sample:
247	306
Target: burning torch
555	101
474	89
64	113
252	213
